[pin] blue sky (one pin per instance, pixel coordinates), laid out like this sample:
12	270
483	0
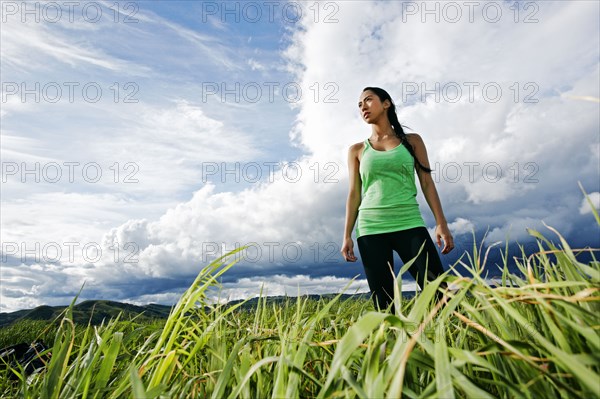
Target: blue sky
142	139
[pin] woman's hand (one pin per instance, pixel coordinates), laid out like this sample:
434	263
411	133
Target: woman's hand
442	231
348	250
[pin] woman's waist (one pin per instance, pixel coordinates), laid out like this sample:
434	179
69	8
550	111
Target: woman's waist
391	216
408	204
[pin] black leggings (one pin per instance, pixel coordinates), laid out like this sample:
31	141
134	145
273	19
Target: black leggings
376	250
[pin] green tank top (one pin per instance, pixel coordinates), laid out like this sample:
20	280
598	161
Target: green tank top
388	192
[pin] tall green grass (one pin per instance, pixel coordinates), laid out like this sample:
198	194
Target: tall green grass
533	336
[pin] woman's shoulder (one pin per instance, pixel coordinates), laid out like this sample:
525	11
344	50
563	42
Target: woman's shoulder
355	151
414	137
356	147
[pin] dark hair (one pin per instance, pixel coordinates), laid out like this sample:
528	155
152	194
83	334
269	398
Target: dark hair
391	113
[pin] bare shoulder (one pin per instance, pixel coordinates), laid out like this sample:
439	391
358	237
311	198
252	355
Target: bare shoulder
415	140
414	137
357	146
356	149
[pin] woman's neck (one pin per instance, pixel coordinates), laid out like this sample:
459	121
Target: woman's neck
382	132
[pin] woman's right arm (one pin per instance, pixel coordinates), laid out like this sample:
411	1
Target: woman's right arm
352	202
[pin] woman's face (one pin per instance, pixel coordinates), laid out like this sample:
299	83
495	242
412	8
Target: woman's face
371	108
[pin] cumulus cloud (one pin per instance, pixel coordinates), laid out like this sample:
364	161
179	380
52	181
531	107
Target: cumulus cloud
585	207
500	166
280	285
461	226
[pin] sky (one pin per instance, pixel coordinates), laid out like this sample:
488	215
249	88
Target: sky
142	140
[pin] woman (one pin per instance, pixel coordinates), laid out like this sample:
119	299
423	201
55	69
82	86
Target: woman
382	201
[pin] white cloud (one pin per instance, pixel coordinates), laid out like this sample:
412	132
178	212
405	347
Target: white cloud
279	285
255	65
514	230
461	226
175	219
32	47
585	204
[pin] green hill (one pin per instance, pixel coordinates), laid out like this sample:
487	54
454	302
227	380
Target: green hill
94	311
88	311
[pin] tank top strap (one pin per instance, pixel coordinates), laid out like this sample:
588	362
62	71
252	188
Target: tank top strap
366	147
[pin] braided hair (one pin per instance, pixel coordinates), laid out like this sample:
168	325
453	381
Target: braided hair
393	118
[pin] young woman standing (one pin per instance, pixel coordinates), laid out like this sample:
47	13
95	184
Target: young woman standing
382	201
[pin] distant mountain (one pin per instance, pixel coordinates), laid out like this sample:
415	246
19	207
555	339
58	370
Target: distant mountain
95	311
89	311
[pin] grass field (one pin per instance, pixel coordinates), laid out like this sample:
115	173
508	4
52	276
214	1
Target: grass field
532	337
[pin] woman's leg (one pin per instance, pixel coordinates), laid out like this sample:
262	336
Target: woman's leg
377	253
407	243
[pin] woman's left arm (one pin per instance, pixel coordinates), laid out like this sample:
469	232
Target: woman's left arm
431	194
